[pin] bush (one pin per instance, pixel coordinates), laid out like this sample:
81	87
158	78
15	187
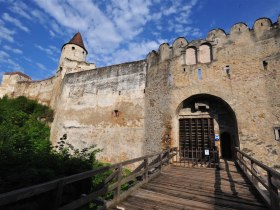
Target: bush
27	157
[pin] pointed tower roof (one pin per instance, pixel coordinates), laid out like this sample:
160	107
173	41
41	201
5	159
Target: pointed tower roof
77	40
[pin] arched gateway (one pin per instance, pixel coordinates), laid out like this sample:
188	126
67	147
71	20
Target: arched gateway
207	122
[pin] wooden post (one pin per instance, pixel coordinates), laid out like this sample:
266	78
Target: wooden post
177	153
188	153
184	157
146	168
160	161
168	156
119	179
58	195
273	193
252	171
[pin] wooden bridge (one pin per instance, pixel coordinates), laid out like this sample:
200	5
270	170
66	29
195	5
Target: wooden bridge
166	180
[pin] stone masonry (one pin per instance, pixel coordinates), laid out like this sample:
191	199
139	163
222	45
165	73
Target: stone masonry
132	109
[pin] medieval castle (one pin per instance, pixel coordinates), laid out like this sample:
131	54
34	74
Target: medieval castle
222	91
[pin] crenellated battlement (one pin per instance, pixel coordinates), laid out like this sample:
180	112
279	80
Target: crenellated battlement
203	50
228	81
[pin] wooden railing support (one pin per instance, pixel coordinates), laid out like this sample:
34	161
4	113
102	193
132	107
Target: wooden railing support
118	188
268	181
149	167
58	195
146	170
160	160
273	193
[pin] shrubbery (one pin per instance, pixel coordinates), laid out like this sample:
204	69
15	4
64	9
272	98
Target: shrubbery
26	155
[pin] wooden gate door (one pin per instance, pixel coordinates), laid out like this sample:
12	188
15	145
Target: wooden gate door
196	134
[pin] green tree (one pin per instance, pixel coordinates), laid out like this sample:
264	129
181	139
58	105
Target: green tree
26	155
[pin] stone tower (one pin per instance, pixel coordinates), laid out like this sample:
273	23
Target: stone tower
73	50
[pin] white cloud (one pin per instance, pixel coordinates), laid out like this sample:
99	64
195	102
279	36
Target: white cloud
10	65
15	21
27	59
50	50
3	54
52	33
5	33
21	9
14	50
111	31
41	66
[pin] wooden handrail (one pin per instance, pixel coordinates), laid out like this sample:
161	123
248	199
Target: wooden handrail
150	166
267	184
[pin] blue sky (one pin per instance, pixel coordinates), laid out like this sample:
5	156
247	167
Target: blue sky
114	31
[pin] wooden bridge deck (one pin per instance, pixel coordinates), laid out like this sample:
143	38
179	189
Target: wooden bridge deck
196	188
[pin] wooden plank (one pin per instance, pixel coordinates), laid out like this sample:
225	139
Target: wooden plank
203	188
246	194
202	193
214	200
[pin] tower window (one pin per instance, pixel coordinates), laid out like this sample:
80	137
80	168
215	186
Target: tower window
227	70
73	48
277	133
265	64
199	74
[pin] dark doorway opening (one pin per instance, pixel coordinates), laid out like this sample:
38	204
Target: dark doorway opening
226	145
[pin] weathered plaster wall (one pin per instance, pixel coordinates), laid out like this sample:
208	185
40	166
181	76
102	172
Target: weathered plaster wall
105	107
133	109
249	88
9	81
40	91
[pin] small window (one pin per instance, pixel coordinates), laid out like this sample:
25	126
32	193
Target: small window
265	64
199	74
73	48
227	70
277	133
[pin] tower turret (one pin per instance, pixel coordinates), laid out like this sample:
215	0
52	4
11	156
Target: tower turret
74	49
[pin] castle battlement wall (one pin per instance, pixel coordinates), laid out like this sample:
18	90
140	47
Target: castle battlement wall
105	106
41	90
262	29
240	68
229	81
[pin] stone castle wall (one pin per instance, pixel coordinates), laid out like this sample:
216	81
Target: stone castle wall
105	107
250	87
134	108
40	91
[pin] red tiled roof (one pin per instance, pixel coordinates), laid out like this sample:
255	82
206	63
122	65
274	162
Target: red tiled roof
18	73
77	40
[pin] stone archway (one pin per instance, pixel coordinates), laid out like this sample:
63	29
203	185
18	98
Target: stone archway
203	119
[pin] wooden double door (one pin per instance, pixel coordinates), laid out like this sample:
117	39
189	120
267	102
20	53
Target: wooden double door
196	133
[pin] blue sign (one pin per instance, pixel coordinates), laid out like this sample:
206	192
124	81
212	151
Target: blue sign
217	137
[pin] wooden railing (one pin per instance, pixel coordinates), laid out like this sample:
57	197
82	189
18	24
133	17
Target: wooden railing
265	179
108	194
198	157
